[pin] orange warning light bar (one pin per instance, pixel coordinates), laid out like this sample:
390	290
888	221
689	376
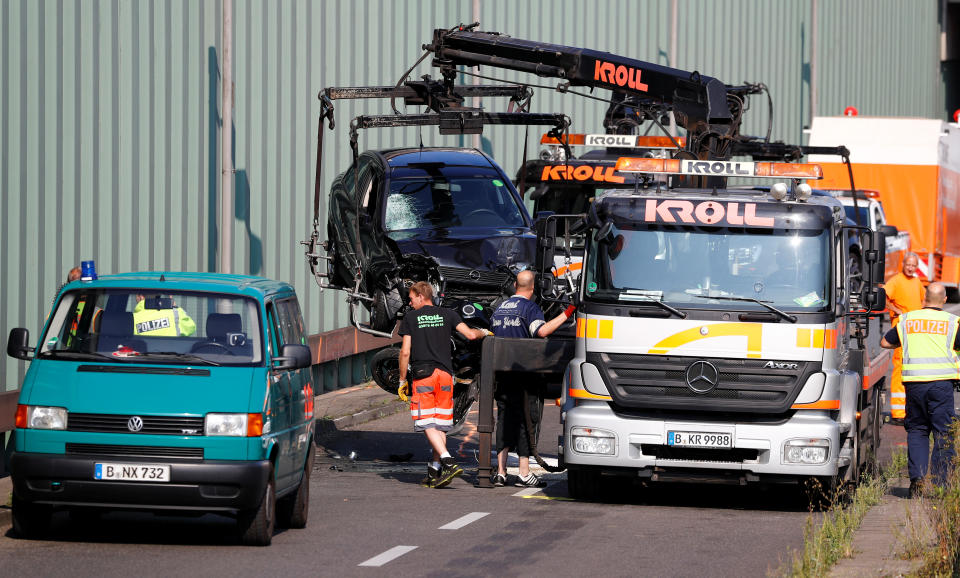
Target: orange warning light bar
719	168
615	140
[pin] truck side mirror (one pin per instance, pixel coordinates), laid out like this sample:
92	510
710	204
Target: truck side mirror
875	299
17	344
293	356
546	246
889	230
875	258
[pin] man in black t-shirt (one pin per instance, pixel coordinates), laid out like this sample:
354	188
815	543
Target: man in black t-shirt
426	332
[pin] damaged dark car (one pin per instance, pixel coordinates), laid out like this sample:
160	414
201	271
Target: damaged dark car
448	216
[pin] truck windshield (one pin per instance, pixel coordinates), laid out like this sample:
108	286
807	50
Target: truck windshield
864	213
146	326
787	269
420	203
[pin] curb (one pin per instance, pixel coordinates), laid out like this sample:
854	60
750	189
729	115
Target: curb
326	426
6	517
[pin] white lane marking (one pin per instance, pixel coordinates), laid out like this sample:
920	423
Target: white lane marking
392	553
528	492
461	522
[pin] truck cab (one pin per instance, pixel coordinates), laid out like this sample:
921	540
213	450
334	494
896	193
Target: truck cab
714	342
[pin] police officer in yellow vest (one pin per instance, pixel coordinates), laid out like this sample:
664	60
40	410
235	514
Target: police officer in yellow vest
156	315
930	339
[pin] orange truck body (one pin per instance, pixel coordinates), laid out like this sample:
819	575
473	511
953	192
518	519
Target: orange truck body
914	163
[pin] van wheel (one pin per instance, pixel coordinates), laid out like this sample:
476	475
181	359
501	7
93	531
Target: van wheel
30	521
292	510
583	483
256	526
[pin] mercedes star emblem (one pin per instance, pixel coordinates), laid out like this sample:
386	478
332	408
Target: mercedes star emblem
702	376
135	423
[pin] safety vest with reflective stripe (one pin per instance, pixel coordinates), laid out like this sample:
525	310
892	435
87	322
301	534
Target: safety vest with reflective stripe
927	337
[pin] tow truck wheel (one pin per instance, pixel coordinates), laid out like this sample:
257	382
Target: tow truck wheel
30	520
583	483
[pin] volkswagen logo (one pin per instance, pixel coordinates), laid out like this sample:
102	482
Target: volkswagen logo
702	376
135	423
474	274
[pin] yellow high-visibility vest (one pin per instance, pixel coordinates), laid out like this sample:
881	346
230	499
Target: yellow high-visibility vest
927	337
164	322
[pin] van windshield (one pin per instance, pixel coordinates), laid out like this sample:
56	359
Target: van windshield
145	326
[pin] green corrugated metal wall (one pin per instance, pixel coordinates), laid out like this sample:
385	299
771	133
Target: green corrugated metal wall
109	111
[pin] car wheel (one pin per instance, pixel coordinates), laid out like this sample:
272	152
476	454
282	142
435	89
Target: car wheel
385	368
383	313
292	510
256	525
30	520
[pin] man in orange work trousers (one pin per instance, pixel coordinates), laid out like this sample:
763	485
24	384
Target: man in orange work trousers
426	333
904	293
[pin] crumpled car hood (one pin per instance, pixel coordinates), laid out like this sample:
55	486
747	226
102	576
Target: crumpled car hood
484	249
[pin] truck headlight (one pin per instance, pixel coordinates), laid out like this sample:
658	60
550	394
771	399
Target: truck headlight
225	424
588	440
806	451
41	417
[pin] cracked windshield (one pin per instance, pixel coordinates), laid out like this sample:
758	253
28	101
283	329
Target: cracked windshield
147	326
450	203
786	269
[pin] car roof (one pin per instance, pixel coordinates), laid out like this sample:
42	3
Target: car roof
448	156
249	285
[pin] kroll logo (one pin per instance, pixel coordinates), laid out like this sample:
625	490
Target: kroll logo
621	75
705	213
580	173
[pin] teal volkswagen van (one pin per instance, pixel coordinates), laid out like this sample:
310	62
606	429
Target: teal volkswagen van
166	392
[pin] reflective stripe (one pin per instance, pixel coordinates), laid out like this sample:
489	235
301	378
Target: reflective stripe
422	410
934	371
446	388
176	320
439	421
443	411
424	388
930	360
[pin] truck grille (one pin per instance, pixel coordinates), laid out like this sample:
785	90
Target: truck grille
152	424
133	451
659	382
727	456
461	275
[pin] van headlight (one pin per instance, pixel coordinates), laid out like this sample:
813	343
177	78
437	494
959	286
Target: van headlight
225	424
41	417
806	451
588	440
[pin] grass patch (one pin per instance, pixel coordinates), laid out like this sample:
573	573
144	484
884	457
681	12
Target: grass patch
833	539
943	511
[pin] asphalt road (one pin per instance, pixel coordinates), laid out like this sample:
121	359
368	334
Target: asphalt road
370	516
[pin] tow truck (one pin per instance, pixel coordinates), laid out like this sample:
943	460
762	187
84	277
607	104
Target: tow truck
717	337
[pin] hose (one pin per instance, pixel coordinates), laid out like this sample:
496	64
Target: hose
532	438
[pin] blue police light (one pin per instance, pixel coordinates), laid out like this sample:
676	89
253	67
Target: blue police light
88	271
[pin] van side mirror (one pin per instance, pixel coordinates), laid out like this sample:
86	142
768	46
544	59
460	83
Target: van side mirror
293	356
17	344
